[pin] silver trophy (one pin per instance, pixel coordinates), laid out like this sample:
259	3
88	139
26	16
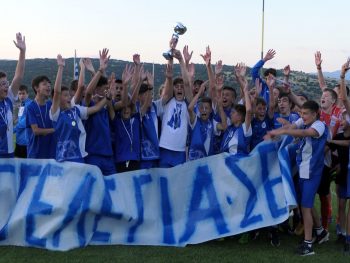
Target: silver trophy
179	29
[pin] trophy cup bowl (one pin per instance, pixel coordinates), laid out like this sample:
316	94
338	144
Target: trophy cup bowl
179	29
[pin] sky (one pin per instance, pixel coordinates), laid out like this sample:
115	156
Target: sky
232	29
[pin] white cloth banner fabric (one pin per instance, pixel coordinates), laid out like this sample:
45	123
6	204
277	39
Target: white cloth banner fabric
61	206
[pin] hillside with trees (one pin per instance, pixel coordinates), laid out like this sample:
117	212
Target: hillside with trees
302	82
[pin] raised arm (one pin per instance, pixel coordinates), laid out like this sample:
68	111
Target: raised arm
318	62
126	77
271	84
239	72
195	100
148	101
104	58
81	82
248	106
58	83
256	69
222	126
184	73
286	73
20	43
187	56
343	95
207	59
168	85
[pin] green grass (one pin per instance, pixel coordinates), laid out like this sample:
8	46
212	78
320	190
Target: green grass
225	251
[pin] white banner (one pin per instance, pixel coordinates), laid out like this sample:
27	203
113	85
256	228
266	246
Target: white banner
61	206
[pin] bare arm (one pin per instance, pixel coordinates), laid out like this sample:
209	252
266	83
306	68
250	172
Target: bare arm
41	131
222	126
194	102
97	107
57	89
81	81
168	85
184	74
248	106
126	77
344	143
104	58
318	62
207	59
19	73
343	94
271	84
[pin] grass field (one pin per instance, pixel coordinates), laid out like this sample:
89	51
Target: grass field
228	250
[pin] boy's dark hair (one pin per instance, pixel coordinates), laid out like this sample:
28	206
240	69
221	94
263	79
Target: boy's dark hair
205	100
198	82
346	87
2	75
178	81
271	71
284	95
260	101
332	92
231	89
36	81
241	110
23	88
102	81
64	88
119	81
303	95
311	105
74	85
143	88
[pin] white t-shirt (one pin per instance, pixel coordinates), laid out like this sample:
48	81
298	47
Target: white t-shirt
175	120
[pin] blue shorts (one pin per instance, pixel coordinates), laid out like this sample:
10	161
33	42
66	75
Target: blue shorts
308	189
147	164
170	158
105	163
7	155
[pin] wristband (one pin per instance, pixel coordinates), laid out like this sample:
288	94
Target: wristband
342	76
319	68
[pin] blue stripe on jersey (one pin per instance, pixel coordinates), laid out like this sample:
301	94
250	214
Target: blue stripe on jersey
310	155
202	140
234	141
6	126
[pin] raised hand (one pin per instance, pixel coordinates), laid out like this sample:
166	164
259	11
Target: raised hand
104	58
240	70
127	74
20	42
318	59
81	64
345	68
60	61
269	55
112	84
169	70
88	65
191	71
258	86
218	67
207	56
177	54
150	79
286	70
136	59
203	87
187	55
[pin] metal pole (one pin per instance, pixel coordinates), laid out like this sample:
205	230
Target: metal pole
262	31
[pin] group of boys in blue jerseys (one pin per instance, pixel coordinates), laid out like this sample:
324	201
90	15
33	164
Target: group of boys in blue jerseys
116	125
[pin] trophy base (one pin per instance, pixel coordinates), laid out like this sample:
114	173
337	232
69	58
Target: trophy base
168	55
